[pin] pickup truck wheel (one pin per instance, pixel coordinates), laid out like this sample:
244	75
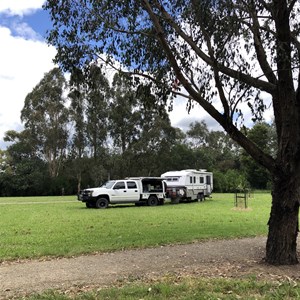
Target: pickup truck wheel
101	203
89	205
152	201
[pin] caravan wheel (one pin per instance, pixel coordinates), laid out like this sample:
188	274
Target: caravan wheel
200	197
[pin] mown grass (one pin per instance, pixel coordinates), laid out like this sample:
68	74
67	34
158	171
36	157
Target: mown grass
187	288
32	227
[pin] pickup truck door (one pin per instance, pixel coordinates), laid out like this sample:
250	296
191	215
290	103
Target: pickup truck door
132	191
119	192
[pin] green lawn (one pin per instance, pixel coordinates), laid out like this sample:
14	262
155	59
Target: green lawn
32	227
62	226
187	288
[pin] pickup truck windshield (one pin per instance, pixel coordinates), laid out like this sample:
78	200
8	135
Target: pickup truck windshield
108	184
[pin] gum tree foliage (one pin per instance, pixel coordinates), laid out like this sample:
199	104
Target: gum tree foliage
214	148
261	134
45	116
23	173
140	133
124	117
89	95
225	54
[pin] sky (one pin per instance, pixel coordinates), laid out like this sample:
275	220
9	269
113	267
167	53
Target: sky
25	58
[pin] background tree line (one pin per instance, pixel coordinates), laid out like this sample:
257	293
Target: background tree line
84	131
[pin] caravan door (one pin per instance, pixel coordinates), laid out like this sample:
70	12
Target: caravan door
208	184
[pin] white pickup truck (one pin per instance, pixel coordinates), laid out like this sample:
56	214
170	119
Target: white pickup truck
142	190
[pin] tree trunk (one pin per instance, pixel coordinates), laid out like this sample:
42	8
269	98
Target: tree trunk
78	182
283	223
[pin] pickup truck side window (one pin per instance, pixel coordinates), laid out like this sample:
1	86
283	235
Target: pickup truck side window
119	185
131	185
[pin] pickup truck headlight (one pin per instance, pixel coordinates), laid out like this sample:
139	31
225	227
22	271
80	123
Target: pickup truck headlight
88	193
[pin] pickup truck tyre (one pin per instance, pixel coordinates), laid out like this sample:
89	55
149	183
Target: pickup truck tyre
101	203
152	201
89	205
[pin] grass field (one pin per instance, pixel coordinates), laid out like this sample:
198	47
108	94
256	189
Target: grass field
62	226
188	289
32	227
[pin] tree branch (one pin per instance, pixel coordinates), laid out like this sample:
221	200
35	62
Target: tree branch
263	158
261	54
291	7
259	84
216	73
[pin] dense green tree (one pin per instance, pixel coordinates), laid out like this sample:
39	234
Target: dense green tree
230	181
125	117
23	173
77	97
152	151
215	150
156	137
141	132
198	44
97	98
181	157
45	116
90	94
257	176
198	134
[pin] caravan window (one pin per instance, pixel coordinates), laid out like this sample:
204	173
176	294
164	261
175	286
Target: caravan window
172	178
192	179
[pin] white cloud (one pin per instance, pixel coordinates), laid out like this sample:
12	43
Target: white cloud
20	7
24	58
180	117
23	64
23	30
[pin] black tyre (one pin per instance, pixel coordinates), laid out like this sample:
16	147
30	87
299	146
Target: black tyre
200	197
101	203
152	201
89	205
161	202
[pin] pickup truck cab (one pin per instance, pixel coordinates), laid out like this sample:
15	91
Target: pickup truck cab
141	190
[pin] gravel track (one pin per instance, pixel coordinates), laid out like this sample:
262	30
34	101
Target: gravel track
215	258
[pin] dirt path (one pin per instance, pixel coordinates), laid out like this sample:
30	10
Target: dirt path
219	258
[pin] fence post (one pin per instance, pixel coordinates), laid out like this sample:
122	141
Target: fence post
241	198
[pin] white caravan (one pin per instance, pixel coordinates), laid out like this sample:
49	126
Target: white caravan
188	184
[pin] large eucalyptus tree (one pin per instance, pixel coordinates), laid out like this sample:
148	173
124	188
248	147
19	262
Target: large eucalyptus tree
45	117
89	95
224	54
